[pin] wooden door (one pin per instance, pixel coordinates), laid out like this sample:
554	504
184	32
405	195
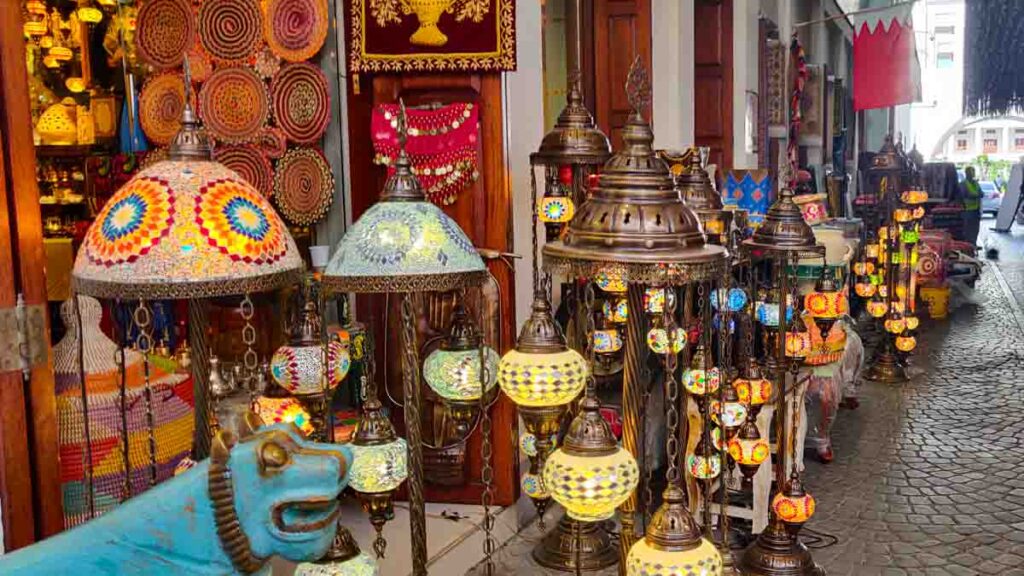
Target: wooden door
30	493
713	97
621	32
484	211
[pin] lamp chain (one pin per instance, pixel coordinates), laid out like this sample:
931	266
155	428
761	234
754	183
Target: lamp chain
726	364
671	391
487	471
249	359
704	339
143	318
589	328
534	218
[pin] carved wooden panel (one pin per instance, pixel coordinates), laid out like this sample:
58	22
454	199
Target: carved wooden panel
622	31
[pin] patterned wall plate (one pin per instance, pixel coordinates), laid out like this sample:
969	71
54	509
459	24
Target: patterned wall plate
199	62
160	105
302	102
230	30
250	163
164	31
234	104
295	29
303	186
266	63
273	143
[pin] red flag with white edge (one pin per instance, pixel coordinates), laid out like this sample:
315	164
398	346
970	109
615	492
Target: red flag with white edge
886	71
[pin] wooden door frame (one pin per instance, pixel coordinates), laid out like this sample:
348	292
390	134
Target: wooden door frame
30	485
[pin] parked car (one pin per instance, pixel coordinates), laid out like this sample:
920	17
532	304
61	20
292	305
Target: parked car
991	197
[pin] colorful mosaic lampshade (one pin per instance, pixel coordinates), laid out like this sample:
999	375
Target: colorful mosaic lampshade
735	299
298	366
749	449
673	545
607	341
379	455
186	227
752	389
793	505
590	475
344	558
705	463
556	207
403	243
906	343
541	370
658	340
615	311
699	381
277	410
453	370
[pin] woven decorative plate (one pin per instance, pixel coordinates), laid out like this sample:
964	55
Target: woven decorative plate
266	63
230	30
273	143
234	104
250	163
302	102
295	29
199	62
164	32
303	186
160	105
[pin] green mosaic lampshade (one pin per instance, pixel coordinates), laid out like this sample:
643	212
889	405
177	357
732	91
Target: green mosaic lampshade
455	374
378	468
404	244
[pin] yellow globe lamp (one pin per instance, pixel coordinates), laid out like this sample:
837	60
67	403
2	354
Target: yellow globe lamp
541	370
590	475
673	545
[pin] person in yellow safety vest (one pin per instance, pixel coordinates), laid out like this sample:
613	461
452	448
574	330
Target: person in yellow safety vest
971	193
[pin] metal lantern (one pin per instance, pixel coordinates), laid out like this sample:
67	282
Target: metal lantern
781	240
673	544
633	233
379	467
696	190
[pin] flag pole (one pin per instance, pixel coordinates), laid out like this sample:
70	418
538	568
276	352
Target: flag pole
848	14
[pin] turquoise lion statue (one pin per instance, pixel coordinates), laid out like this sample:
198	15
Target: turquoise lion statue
272	493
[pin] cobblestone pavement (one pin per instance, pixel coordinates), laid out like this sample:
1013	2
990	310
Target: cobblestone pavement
926	478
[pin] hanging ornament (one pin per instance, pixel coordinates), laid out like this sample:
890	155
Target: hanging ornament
443	145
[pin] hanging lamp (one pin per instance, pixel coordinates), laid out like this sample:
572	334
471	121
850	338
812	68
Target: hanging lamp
403	244
590	474
453	370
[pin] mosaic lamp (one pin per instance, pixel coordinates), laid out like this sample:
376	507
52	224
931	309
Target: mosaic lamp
541	375
404	244
794	506
541	371
705	463
698	380
590	475
749	449
343	558
298	365
827	303
673	544
186	227
753	389
379	466
453	370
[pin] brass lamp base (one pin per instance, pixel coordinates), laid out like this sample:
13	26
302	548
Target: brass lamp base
887	369
776	552
558	549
